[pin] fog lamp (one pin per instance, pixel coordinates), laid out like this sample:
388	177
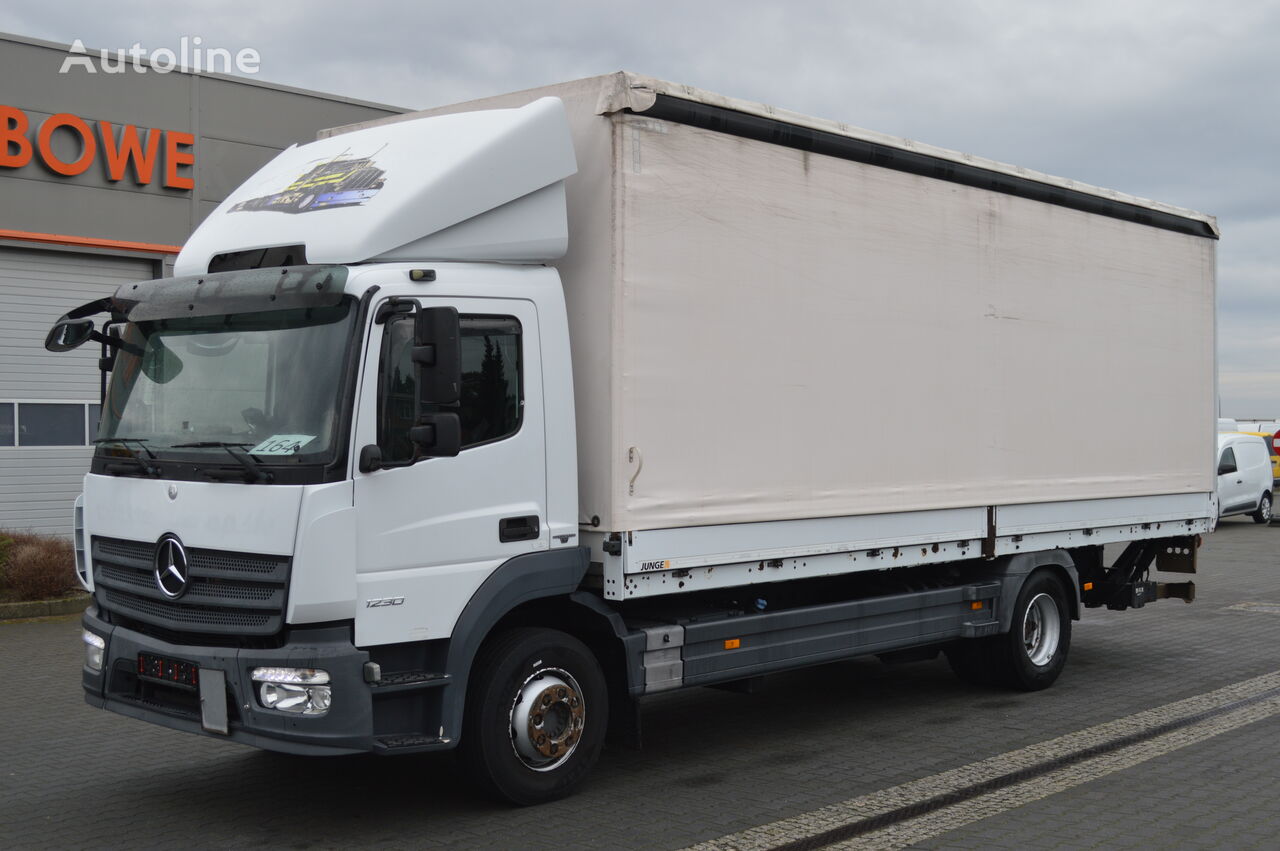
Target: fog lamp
94	650
299	691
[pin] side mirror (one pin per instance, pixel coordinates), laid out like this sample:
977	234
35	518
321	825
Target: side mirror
68	334
437	435
437	357
437	360
370	458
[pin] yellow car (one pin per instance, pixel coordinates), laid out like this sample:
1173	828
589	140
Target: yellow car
1271	444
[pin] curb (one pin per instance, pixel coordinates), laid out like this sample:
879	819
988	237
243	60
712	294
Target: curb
44	608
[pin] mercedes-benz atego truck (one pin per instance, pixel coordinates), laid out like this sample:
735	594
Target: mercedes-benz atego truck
616	387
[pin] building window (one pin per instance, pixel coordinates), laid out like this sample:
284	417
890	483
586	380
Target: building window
7	429
48	423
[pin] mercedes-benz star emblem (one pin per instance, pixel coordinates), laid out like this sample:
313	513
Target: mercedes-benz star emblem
171	567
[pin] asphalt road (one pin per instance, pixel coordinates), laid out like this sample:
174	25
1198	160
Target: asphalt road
1164	731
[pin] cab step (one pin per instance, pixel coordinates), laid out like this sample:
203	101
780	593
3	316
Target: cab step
398	681
409	743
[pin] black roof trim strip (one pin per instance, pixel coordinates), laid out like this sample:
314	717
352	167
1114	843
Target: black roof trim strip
777	132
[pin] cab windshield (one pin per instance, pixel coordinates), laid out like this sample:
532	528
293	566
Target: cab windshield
266	383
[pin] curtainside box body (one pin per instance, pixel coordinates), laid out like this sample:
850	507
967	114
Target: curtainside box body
776	318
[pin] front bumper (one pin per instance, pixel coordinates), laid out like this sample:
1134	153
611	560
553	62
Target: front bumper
346	728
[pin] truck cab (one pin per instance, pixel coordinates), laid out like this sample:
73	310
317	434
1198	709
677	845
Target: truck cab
256	469
299	461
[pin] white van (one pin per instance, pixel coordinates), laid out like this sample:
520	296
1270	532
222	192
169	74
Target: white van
1244	476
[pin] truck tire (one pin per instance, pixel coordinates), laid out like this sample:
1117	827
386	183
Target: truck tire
1031	655
1263	514
537	708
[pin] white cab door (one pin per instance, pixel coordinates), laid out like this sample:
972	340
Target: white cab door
431	532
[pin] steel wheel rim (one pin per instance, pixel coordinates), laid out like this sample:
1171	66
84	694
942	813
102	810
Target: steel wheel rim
547	718
1041	629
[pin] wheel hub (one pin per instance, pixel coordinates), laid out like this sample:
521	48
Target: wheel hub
547	719
1041	627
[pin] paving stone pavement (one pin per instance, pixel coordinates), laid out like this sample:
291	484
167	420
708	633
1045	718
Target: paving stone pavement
714	762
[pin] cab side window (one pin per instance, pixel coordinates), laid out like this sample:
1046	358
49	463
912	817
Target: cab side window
491	405
1227	463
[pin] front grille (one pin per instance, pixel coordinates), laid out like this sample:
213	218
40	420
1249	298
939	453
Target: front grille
196	616
226	592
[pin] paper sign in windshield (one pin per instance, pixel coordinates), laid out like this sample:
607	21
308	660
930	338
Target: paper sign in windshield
282	444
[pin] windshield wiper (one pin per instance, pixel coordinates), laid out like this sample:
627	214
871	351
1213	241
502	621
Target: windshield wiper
252	466
147	469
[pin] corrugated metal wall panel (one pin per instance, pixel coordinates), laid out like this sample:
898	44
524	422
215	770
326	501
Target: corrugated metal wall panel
39	286
39	484
38	487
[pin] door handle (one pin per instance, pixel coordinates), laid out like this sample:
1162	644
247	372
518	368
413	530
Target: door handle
518	528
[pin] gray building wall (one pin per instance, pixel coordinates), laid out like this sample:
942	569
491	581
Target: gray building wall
65	240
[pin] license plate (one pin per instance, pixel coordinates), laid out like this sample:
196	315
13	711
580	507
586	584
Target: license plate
171	671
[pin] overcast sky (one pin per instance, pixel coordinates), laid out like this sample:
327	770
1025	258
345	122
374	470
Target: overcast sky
1171	100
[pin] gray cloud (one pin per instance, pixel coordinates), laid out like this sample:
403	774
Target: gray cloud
1175	100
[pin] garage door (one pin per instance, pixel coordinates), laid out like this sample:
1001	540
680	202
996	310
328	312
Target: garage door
48	402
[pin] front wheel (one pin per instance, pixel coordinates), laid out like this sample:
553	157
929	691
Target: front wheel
535	718
1031	655
1263	514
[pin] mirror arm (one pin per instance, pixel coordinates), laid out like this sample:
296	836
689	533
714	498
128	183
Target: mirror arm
102	305
93	308
116	343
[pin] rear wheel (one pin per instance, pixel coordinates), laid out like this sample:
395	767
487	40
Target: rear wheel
1031	655
536	713
1263	514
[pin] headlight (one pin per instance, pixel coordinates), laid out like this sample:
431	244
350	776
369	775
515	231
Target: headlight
94	650
300	691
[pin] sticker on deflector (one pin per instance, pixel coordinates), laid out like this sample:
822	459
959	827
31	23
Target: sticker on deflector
282	444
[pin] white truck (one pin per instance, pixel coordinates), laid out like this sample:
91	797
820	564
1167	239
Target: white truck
595	391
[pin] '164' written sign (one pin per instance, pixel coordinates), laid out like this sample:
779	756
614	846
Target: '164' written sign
120	152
